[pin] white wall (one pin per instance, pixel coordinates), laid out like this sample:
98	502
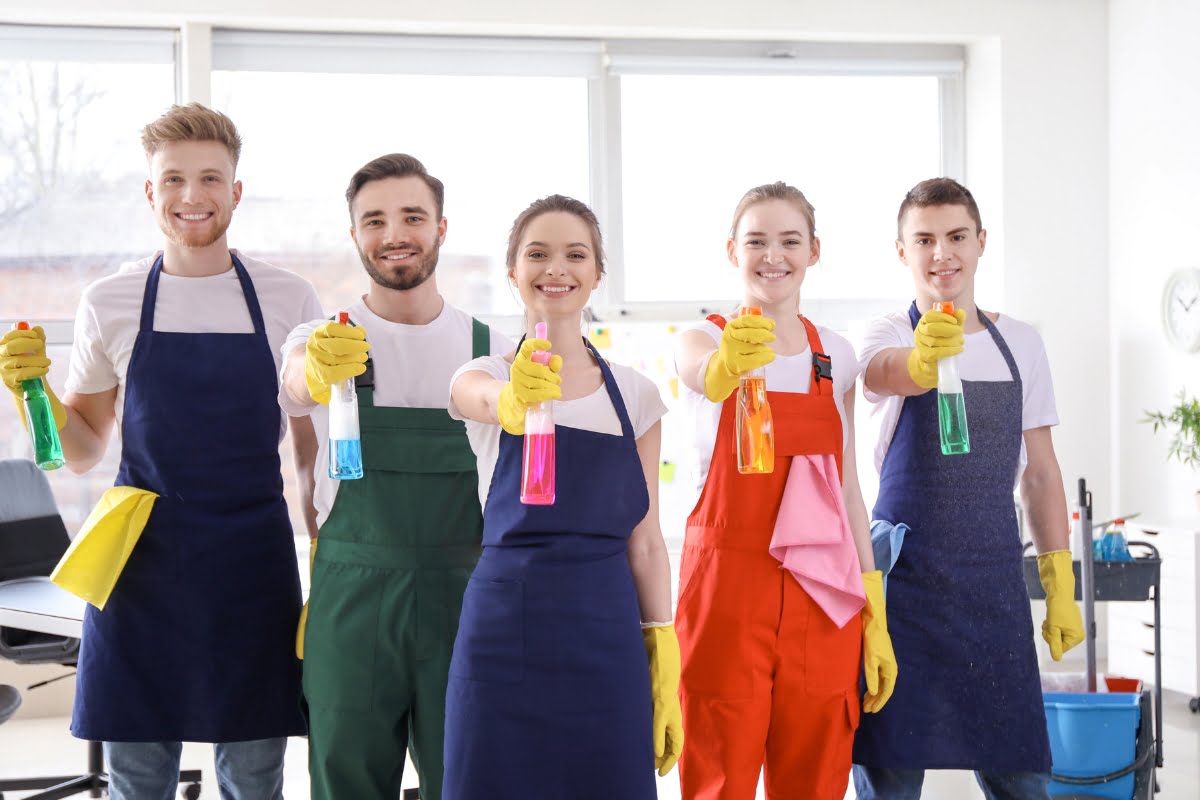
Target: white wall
1155	175
1037	121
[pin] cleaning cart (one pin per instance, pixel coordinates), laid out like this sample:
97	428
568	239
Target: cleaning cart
1106	744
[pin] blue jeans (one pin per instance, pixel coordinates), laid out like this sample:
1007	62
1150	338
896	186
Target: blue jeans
150	770
877	783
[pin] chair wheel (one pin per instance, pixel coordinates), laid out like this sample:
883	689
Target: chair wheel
1194	705
190	792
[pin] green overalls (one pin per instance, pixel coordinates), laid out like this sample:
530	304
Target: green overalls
387	586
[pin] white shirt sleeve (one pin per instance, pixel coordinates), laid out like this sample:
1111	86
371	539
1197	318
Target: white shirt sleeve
91	370
297	338
893	330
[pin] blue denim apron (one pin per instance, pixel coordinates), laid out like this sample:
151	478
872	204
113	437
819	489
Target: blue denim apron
196	642
549	693
968	695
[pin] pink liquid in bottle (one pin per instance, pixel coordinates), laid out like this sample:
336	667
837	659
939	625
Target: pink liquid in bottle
537	466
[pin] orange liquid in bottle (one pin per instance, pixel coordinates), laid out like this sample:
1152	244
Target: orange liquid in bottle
755	432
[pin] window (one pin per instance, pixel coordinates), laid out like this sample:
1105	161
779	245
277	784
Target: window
697	124
72	207
72	168
500	125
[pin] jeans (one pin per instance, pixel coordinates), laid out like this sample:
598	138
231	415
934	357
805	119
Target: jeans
877	783
150	770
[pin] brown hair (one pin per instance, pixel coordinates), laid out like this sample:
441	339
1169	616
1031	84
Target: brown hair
192	123
547	205
938	192
395	165
775	191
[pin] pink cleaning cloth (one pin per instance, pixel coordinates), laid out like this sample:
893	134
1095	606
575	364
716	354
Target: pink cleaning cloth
812	538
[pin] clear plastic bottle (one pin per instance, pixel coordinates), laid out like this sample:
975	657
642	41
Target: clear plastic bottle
537	464
345	443
39	417
753	427
952	408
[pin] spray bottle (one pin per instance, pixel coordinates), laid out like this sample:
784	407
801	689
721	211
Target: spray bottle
754	429
952	409
537	467
345	444
39	417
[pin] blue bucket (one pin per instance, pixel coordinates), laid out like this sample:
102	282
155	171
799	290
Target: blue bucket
1093	735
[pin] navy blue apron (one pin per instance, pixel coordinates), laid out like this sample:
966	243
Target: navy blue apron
197	641
968	695
549	693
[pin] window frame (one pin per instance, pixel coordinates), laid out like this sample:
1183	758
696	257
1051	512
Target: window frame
199	48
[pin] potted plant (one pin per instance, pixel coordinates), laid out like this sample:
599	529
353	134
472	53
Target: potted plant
1184	420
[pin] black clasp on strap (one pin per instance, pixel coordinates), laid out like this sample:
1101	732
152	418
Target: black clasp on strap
822	366
367	379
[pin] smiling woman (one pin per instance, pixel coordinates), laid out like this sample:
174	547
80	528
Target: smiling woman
550	616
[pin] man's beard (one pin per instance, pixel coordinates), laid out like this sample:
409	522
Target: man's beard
196	239
419	269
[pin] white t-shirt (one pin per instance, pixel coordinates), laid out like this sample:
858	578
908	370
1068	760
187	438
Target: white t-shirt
981	360
594	412
413	364
785	374
110	312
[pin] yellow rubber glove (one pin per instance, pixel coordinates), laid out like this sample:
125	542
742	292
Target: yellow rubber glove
1063	628
312	555
23	358
879	660
743	347
528	382
333	353
662	648
937	336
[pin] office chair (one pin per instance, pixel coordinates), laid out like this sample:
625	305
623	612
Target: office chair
32	540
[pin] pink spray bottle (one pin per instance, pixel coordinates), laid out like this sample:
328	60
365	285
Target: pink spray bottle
537	469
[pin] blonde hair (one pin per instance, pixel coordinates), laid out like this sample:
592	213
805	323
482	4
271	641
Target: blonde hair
192	123
775	191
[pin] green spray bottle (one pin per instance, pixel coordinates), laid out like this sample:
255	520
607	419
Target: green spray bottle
39	418
952	408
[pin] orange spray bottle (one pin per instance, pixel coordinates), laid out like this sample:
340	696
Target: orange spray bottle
753	428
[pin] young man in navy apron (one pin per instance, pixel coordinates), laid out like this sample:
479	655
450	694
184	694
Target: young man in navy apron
398	545
958	610
181	350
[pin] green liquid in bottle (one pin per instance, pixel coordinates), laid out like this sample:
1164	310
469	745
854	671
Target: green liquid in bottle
47	450
952	424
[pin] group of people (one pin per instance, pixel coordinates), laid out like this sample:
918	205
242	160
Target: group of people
530	651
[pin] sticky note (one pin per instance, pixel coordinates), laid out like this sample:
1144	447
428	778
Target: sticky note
673	383
666	472
602	338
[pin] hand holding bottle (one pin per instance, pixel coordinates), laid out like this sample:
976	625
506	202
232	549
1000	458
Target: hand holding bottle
938	335
23	358
529	382
335	352
743	347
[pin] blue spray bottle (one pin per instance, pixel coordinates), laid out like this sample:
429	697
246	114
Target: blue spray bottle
345	444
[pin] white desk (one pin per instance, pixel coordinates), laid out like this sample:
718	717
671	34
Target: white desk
36	604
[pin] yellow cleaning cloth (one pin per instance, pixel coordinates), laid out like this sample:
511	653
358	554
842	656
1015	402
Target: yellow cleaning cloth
90	567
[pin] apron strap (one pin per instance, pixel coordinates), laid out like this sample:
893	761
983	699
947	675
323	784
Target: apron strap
251	296
150	295
481	339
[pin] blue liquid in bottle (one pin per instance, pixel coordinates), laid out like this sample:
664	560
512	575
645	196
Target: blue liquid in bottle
345	459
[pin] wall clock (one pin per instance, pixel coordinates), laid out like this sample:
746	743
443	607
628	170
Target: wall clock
1181	310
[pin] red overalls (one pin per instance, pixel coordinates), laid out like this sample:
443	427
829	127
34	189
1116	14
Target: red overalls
768	680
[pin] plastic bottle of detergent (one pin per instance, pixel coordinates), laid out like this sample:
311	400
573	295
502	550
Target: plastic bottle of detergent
1113	546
